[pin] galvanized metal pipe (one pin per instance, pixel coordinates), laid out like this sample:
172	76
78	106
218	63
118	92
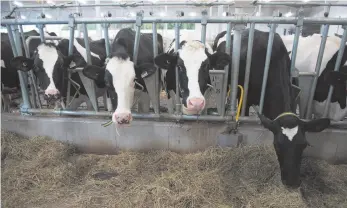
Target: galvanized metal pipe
296	4
163	116
235	67
307	74
33	85
157	83
203	26
217	71
267	65
42	34
295	48
337	68
70	53
107	40
248	68
177	45
17	51
318	65
226	69
137	43
229	19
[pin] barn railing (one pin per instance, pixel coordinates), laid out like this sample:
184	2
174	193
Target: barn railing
237	21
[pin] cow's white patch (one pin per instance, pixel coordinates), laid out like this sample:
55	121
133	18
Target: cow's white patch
3	64
123	75
290	132
335	112
49	57
193	54
83	51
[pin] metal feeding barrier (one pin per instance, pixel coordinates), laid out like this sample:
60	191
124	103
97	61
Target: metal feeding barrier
152	82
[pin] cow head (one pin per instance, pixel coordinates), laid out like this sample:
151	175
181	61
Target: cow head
48	65
290	142
338	80
121	78
193	63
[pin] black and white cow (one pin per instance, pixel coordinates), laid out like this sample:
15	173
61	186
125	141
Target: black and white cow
50	63
194	60
307	54
121	74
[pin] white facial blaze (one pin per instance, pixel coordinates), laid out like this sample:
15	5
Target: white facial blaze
123	75
290	132
193	54
49	57
3	64
83	51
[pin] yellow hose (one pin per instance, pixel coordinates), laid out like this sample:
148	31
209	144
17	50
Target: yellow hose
240	102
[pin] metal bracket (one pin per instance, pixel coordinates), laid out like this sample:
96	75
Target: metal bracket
300	22
71	22
204	17
139	17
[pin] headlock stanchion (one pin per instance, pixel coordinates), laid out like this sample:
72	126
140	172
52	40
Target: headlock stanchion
248	67
203	26
337	68
42	34
226	69
298	29
317	69
70	52
107	47
267	65
177	46
156	75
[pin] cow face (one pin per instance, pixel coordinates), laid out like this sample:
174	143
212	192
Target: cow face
48	65
120	77
290	142
193	63
338	80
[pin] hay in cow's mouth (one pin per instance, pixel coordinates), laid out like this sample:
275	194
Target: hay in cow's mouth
44	173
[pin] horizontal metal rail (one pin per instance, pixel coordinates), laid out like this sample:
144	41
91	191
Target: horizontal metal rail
163	116
133	4
297	4
230	19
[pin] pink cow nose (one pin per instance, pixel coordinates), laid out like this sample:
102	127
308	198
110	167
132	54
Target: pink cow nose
196	104
122	118
52	95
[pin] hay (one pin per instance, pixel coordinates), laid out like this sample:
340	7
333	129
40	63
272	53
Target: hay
45	173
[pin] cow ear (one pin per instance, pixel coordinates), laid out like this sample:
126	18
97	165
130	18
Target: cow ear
146	69
219	60
94	72
164	60
317	125
266	122
22	63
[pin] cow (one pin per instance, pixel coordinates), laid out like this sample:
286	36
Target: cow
306	58
121	75
50	63
194	60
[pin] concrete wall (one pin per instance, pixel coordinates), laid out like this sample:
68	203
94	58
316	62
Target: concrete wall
90	136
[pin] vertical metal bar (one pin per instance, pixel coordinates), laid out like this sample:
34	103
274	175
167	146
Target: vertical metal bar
248	68
177	45
33	85
235	67
203	26
337	68
298	29
70	52
17	51
267	65
107	40
226	74
157	83
318	65
42	34
137	42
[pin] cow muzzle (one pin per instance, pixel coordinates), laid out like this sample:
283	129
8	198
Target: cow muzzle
52	95
122	118
194	105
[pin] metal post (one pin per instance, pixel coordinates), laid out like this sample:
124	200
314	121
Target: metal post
42	34
107	40
248	68
298	29
33	85
318	65
177	45
267	65
90	87
70	53
157	83
235	67
225	80
337	68
138	25
17	51
203	26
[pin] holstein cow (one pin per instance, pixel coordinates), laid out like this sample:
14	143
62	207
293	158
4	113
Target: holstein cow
306	58
50	64
193	60
121	74
289	131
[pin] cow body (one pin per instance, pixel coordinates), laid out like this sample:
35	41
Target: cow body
121	75
307	54
50	64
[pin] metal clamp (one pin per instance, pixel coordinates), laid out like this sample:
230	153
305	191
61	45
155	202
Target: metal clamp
300	22
71	22
139	17
204	17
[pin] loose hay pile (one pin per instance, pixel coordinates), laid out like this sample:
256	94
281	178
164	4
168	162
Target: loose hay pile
44	173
